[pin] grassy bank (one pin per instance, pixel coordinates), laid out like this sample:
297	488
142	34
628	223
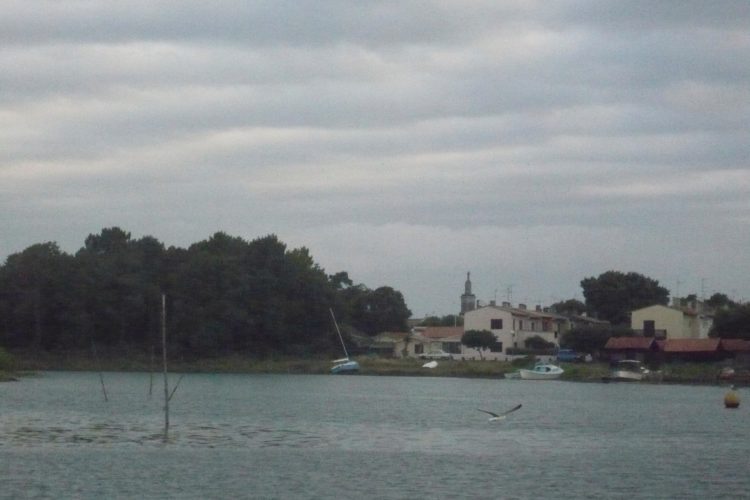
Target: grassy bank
683	373
7	366
84	361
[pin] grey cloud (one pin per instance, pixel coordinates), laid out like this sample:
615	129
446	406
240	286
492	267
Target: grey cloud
531	142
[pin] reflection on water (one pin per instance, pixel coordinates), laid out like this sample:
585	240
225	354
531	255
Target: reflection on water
251	436
105	433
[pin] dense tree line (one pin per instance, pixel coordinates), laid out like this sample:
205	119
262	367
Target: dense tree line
223	294
613	294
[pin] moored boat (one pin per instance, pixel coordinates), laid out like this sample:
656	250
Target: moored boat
541	371
343	365
628	370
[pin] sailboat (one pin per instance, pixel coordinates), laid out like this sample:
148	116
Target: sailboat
343	365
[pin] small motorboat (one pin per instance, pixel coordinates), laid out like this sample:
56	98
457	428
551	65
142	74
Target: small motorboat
628	370
541	371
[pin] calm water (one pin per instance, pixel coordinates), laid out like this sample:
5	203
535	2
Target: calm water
288	436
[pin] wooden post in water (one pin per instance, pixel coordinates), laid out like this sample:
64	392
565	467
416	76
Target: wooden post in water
164	359
151	373
101	377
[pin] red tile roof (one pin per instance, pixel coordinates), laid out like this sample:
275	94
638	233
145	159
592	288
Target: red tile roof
441	332
640	343
735	345
691	345
391	336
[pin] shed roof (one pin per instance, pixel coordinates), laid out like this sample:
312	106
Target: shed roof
691	345
735	345
635	343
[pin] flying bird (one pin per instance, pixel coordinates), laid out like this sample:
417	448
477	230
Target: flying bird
499	416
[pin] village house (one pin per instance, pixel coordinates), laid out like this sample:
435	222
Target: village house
513	326
392	345
438	342
675	322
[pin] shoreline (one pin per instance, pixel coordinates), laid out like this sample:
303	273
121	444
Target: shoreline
24	363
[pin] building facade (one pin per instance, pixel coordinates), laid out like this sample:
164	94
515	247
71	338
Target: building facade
513	326
663	322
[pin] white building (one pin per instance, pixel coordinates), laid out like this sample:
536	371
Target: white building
512	326
692	322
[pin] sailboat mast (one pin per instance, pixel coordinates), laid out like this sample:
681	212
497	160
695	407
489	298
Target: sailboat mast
339	332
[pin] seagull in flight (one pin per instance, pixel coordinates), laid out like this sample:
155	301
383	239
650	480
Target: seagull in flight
495	417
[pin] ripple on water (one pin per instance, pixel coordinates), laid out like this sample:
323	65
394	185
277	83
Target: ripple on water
108	433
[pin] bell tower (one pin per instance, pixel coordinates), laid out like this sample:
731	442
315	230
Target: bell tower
468	299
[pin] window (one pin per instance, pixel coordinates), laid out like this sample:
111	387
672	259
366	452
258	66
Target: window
452	347
649	328
418	348
496	324
520	324
497	347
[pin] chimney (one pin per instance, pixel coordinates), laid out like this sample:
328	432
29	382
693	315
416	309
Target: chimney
506	304
539	308
492	303
522	306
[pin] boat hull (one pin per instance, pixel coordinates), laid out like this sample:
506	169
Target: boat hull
345	368
628	371
626	376
541	372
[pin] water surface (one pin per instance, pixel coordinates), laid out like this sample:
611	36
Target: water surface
307	436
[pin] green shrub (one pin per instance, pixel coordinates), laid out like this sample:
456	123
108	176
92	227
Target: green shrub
6	360
525	361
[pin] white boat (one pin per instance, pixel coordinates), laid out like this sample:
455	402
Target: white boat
343	365
628	370
541	371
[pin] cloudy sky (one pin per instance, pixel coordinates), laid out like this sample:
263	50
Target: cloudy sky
533	143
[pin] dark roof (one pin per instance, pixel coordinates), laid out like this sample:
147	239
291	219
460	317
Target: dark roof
691	345
637	343
735	345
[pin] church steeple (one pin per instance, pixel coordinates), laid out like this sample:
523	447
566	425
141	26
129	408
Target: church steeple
468	300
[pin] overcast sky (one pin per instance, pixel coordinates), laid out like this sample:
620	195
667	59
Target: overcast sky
533	143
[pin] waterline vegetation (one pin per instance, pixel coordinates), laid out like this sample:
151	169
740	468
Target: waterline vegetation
680	373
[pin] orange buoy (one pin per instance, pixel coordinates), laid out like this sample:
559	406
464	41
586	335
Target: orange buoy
731	398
